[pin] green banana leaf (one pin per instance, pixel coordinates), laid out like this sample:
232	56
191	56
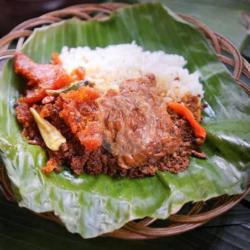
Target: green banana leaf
224	16
91	205
22	230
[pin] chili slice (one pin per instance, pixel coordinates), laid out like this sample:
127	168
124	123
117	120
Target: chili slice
181	109
51	165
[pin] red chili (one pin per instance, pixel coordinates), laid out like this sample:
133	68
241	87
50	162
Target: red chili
179	108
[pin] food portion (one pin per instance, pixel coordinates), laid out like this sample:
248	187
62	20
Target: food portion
117	110
136	125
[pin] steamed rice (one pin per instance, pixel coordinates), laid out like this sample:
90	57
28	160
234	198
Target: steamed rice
108	67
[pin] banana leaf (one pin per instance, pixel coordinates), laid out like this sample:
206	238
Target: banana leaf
91	205
224	17
21	230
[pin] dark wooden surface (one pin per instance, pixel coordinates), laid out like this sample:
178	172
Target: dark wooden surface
14	12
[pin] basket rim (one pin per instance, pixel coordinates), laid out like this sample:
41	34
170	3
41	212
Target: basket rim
137	230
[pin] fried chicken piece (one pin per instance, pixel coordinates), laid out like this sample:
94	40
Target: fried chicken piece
44	76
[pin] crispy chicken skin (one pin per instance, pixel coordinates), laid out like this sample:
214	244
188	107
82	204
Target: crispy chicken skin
44	76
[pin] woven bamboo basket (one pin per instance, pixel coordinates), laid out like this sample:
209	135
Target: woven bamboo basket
194	215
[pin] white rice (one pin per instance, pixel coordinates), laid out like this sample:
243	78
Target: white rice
110	66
